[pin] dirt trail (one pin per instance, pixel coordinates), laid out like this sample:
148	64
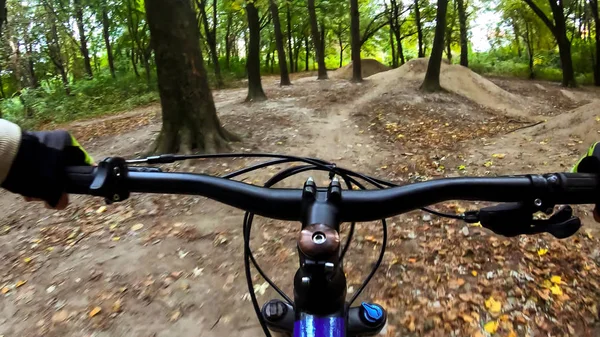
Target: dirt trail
180	274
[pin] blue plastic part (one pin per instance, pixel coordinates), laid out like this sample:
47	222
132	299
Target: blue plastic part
314	326
372	312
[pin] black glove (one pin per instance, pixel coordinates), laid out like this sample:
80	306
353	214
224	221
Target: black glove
38	170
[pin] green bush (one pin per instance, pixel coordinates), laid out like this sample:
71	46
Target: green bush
98	96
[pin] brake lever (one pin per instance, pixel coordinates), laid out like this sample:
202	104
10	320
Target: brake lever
512	219
561	224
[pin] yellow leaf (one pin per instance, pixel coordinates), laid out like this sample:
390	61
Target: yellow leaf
555	289
27	259
488	163
461	167
499	155
493	306
101	210
555	279
4	290
460	210
547	284
512	333
400	136
49	249
597	119
477	224
113	227
116	238
95	311
474	272
20	283
137	227
491	327
383	167
117	306
542	251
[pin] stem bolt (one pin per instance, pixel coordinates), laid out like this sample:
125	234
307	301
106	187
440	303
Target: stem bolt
537	202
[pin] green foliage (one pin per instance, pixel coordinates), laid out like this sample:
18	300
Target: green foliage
98	96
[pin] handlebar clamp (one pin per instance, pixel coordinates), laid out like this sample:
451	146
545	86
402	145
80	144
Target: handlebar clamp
110	180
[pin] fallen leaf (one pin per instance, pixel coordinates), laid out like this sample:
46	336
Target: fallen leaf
95	312
474	272
493	306
467	318
20	283
101	210
116	238
116	306
60	316
512	333
542	251
27	259
555	279
491	327
499	155
261	288
461	167
555	289
137	227
4	290
488	163
175	316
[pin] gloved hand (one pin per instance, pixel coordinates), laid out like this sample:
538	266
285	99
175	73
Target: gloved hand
38	169
590	163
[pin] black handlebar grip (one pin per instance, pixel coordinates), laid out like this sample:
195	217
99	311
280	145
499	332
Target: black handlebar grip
79	178
578	188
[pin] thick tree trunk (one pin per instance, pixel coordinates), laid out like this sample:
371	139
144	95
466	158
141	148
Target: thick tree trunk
188	111
106	35
432	77
283	69
594	7
400	51
211	39
464	42
255	90
355	41
82	38
289	36
564	49
419	28
314	28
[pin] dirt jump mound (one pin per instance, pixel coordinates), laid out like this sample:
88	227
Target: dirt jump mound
368	67
456	79
582	124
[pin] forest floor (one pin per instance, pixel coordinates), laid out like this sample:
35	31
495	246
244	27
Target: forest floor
160	266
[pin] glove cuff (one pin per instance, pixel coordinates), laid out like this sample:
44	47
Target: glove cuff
10	138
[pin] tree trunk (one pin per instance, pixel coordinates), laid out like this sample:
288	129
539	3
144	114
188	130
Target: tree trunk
54	51
307	50
211	39
289	36
419	28
392	29
322	74
228	41
559	30
82	38
464	42
340	42
106	34
297	47
449	47
133	61
188	111
529	42
30	64
355	41
432	77
517	31
594	7
283	69
255	90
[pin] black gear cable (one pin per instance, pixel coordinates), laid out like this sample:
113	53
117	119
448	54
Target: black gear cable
311	164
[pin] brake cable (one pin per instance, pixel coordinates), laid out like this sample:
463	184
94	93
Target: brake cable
313	164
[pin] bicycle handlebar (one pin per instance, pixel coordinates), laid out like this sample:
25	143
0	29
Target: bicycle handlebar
354	206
